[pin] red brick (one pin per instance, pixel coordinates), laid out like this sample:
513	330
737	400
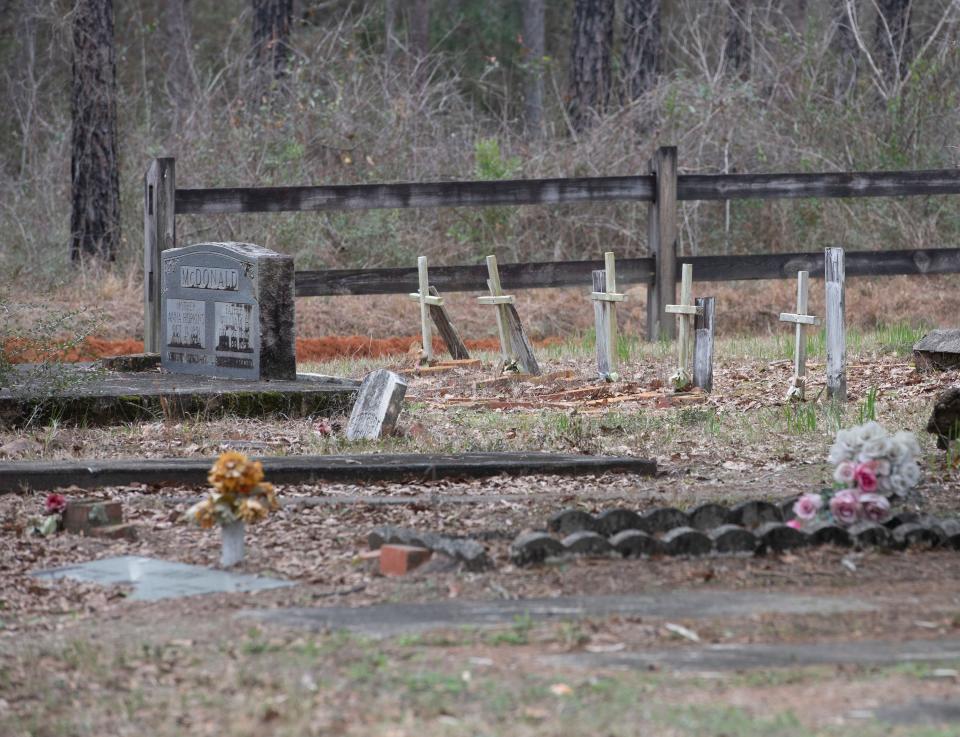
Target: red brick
396	560
83	515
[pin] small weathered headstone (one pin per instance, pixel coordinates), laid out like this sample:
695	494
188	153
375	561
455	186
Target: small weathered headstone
228	311
938	350
378	406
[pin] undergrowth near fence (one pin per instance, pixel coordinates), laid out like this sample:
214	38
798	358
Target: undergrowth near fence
346	118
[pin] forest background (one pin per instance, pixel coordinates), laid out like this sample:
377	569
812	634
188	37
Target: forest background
284	92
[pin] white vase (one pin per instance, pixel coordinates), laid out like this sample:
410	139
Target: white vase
232	552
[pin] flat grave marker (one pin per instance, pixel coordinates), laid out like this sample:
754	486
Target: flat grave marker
154	579
227	311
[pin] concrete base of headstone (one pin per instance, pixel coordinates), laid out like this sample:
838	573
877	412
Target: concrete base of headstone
378	406
116	397
938	350
132	362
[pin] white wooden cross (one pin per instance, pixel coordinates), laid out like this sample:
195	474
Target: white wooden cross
425	299
498	299
686	311
801	319
605	309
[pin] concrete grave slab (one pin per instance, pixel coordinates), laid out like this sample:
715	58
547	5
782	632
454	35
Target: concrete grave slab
115	397
154	579
921	712
743	657
385	620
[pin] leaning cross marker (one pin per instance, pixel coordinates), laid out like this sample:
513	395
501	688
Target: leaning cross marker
425	299
605	298
686	311
500	300
515	347
801	319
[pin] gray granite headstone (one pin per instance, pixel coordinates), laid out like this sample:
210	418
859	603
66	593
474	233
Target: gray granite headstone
227	311
378	406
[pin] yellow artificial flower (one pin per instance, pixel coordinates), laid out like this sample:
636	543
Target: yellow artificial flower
251	511
203	514
233	473
269	495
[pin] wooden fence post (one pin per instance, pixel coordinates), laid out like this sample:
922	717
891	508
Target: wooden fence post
159	234
662	243
833	274
703	326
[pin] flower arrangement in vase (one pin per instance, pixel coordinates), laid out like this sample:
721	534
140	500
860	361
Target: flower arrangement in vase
872	469
239	497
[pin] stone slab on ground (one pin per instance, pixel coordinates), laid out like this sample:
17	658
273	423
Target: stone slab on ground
105	398
154	579
45	475
385	620
938	350
921	712
789	655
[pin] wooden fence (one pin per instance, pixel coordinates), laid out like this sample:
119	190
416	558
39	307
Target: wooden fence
662	188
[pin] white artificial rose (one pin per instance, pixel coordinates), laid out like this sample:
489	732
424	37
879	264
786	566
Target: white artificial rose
910	473
908	441
876	448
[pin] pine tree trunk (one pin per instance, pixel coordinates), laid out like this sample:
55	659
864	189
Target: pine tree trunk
736	50
848	53
892	39
590	51
390	32
94	163
418	22
641	45
533	43
180	82
272	20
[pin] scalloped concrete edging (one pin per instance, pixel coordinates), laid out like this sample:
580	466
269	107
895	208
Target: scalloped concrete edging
750	528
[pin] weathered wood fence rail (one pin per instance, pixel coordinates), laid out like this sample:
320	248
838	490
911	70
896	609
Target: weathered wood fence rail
662	188
537	275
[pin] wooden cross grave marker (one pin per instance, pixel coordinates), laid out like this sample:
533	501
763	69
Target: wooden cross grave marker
686	313
431	308
515	346
800	319
605	298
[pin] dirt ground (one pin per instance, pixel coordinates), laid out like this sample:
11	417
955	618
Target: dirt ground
82	659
